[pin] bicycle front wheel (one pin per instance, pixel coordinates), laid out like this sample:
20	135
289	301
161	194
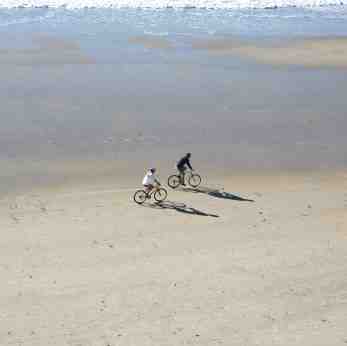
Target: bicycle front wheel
174	181
160	195
140	196
194	180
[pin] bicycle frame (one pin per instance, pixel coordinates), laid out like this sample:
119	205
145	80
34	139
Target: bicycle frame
186	174
154	189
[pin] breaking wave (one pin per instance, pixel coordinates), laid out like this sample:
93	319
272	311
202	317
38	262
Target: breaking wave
175	4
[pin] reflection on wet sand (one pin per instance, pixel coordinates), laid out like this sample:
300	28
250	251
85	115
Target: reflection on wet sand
151	42
46	50
309	52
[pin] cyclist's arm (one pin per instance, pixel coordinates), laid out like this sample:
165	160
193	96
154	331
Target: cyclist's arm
189	165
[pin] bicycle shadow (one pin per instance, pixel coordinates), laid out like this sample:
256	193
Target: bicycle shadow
179	207
217	193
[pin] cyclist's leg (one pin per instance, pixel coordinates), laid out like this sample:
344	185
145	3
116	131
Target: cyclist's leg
181	174
148	189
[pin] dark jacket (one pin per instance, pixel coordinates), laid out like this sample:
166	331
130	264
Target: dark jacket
183	162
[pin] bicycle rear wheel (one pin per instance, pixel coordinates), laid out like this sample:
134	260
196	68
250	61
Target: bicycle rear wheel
174	181
194	180
160	195
140	196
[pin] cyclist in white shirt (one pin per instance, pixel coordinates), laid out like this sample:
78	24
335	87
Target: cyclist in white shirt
150	180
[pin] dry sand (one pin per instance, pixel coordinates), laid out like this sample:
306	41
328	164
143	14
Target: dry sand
308	52
87	266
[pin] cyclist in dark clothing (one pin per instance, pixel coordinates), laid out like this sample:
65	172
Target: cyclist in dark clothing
182	166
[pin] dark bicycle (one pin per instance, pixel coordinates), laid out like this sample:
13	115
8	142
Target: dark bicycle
193	179
159	194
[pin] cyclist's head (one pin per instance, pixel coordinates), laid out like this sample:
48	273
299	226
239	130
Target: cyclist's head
152	170
188	155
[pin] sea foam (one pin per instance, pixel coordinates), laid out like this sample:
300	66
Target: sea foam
179	4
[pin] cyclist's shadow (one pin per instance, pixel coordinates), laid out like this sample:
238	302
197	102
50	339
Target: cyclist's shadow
179	207
217	193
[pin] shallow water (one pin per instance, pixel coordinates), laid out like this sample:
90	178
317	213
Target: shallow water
87	22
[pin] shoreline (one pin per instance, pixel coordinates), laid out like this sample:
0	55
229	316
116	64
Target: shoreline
106	175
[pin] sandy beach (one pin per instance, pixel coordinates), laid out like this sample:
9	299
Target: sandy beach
244	260
255	256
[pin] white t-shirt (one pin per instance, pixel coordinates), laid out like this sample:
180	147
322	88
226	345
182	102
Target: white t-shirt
149	179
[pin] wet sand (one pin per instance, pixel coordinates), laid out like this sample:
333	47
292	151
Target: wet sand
64	106
45	50
151	42
308	52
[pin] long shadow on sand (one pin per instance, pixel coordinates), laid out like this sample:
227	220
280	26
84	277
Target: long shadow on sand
179	207
217	193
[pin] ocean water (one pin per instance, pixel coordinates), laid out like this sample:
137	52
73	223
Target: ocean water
263	18
209	4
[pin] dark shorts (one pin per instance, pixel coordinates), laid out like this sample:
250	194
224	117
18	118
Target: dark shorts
181	169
